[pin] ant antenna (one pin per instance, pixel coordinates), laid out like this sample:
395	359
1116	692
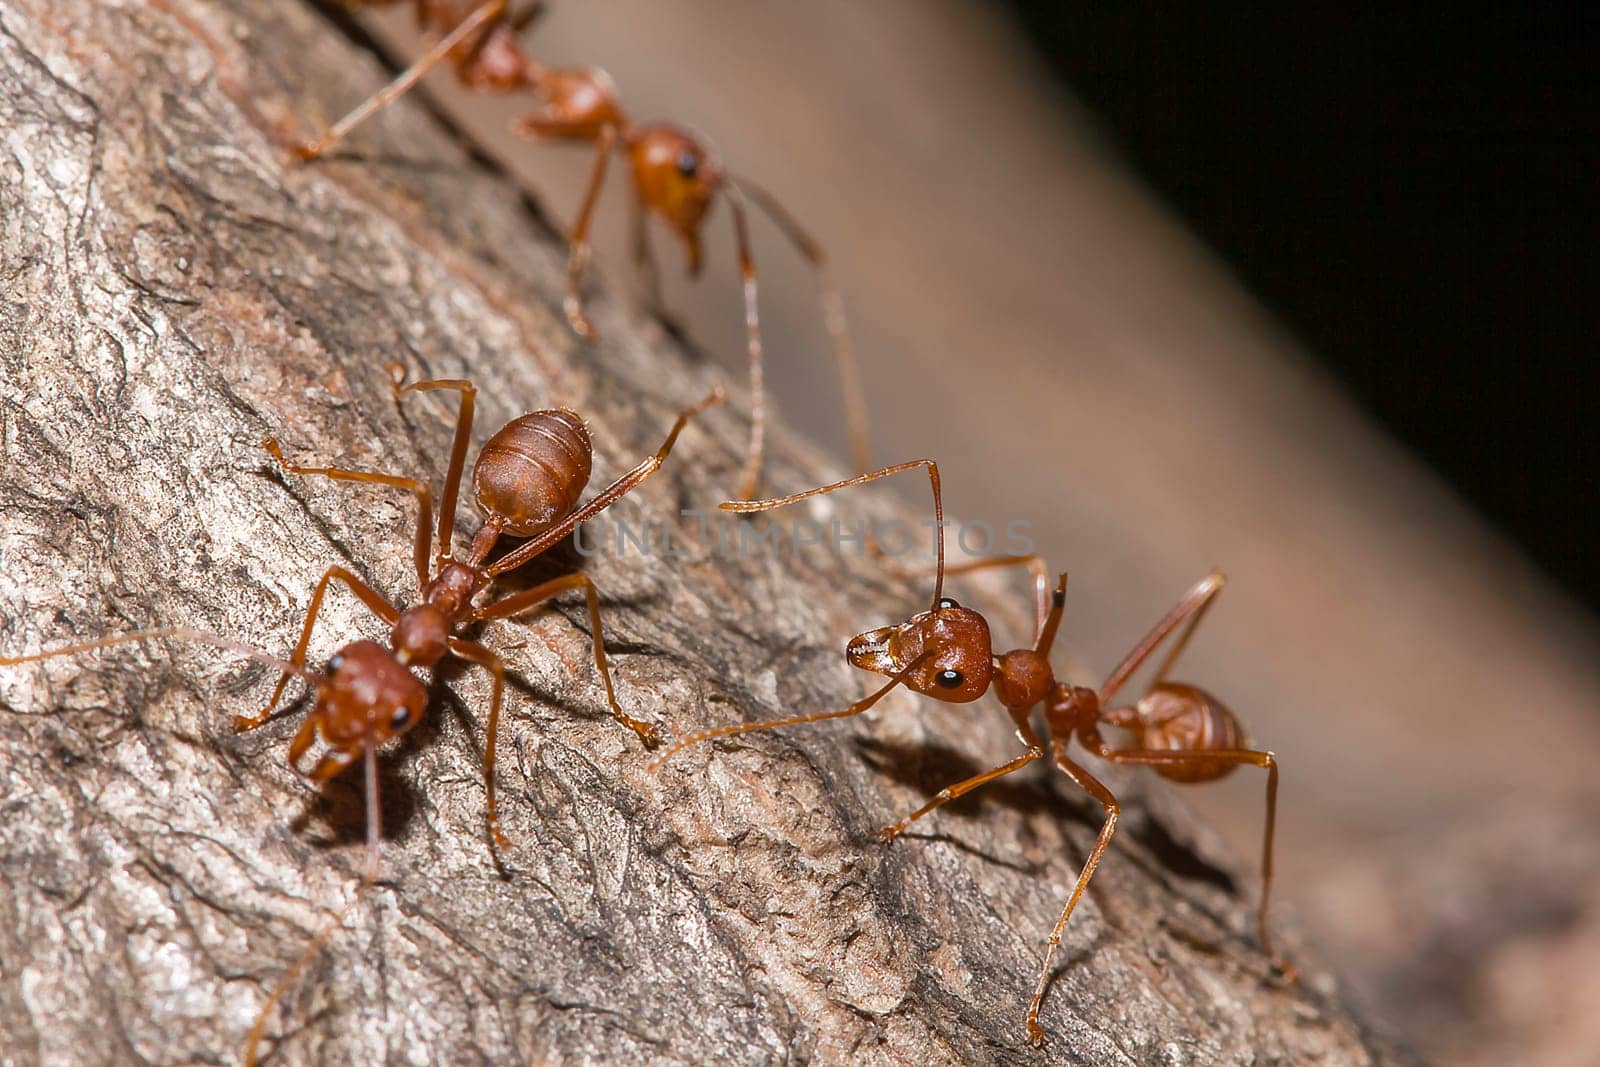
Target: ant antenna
748	506
793	720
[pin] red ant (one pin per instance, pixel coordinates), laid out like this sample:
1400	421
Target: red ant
526	481
1182	731
676	175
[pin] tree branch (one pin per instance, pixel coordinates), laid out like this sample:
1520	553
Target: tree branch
175	291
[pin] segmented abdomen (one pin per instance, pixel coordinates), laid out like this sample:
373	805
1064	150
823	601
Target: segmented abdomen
532	471
1185	718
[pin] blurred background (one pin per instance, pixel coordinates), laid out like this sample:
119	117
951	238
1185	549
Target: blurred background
1310	299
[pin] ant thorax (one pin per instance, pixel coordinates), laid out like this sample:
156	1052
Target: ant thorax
452	591
1071	706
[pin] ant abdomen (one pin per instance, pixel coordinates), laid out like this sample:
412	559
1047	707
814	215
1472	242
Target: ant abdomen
1186	718
532	471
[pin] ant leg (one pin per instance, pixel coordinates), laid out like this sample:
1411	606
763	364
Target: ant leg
844	355
1192	607
473	652
528	16
365	593
578	250
747	506
792	720
529	599
491	10
458	450
1035	751
624	485
424	499
369	877
1266	760
1094	788
751	475
644	265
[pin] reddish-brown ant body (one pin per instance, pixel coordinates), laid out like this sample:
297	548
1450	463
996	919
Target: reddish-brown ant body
526	481
676	176
946	652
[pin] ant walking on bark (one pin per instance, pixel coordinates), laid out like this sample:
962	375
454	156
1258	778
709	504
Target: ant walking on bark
676	176
526	481
1183	732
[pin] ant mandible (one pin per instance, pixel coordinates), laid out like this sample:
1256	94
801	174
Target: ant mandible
676	176
1182	731
526	481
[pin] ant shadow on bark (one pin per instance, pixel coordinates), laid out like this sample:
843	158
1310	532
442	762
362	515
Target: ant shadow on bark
339	804
1179	858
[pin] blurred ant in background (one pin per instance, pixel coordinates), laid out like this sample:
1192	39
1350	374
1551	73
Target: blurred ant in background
676	176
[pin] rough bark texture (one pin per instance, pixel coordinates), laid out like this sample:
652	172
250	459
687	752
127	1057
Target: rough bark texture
174	292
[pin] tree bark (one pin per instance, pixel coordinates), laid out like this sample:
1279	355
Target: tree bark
176	290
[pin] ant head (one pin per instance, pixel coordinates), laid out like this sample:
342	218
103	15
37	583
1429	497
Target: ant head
960	659
367	697
677	177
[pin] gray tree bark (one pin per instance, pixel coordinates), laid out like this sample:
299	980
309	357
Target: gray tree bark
174	291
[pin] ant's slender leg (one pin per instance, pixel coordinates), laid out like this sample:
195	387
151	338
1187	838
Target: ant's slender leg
855	403
1191	607
458	449
473	652
747	506
1094	788
424	499
1035	751
528	599
369	877
1179	758
578	244
627	483
365	593
792	720
491	10
751	475
528	16
644	264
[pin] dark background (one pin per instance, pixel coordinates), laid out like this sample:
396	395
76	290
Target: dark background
1414	196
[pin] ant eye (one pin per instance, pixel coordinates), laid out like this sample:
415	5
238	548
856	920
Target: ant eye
948	679
947	602
335	663
398	720
688	163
